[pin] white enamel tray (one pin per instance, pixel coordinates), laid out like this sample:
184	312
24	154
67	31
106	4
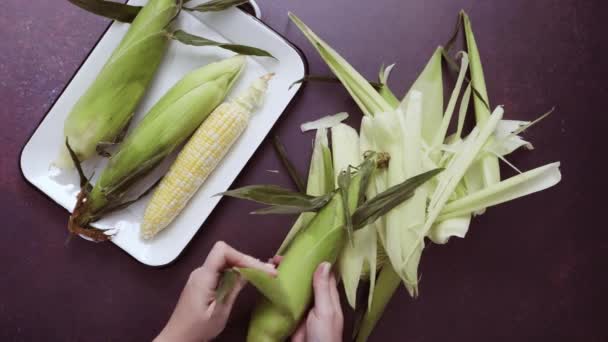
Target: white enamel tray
231	25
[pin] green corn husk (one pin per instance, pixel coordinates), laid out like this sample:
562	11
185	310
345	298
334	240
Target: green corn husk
172	120
103	112
320	182
321	240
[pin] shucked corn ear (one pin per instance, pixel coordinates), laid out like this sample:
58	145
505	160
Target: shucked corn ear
106	107
199	157
167	125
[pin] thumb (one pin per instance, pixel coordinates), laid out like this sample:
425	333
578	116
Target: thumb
321	286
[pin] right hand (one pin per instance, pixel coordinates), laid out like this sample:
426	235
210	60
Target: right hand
324	322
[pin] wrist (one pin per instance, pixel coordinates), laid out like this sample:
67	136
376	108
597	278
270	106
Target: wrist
172	333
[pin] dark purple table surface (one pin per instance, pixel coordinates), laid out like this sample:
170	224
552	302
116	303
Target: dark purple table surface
529	270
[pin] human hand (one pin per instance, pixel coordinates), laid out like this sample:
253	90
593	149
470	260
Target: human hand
199	316
324	322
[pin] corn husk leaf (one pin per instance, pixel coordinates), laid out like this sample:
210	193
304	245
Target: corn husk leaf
281	200
507	138
462	111
441	232
517	186
404	223
324	122
127	13
505	142
454	67
216	5
327	79
387	283
190	39
384	89
366	97
488	167
354	257
441	134
430	84
346	152
385	73
109	9
450	179
320	182
345	148
385	201
362	252
291	170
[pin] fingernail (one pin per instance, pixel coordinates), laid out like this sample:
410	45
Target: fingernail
272	269
326	268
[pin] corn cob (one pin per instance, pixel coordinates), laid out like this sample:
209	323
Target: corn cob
103	112
200	157
168	124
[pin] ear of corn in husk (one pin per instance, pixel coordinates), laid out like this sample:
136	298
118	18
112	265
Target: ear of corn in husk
103	112
288	295
199	157
167	125
274	319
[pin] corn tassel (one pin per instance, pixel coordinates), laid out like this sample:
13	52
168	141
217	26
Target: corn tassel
200	157
168	124
103	112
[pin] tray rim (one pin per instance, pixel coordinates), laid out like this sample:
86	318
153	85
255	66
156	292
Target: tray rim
290	44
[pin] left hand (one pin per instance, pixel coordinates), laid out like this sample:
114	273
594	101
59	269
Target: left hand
198	316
